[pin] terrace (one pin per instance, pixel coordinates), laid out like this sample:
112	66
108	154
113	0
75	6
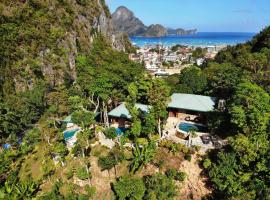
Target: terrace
186	122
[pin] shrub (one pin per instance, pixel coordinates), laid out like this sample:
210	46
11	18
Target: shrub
171	173
183	148
160	164
207	163
173	146
96	153
82	197
187	156
128	187
196	148
160	186
180	176
117	155
69	173
110	133
76	150
174	174
70	187
155	137
142	141
90	190
106	162
99	128
82	173
165	143
35	158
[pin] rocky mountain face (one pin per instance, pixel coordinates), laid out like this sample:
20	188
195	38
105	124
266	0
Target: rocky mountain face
155	30
41	39
181	31
127	22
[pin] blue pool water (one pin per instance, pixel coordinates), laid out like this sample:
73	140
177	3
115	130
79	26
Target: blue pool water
120	130
199	39
70	134
188	127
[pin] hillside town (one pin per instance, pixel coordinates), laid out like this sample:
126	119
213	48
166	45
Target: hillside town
162	60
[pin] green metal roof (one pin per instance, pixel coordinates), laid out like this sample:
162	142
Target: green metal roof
67	119
192	102
122	112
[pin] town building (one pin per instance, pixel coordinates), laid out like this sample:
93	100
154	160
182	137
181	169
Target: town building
170	57
200	61
135	57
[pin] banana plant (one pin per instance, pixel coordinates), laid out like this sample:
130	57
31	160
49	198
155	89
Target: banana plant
26	189
142	155
9	187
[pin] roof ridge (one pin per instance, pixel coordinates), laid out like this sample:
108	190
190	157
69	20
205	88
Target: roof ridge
192	95
203	102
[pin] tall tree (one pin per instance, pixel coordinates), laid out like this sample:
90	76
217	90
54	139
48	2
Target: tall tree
83	118
250	109
129	188
131	100
192	80
158	98
160	187
223	79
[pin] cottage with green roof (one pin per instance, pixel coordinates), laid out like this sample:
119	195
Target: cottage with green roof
120	115
182	105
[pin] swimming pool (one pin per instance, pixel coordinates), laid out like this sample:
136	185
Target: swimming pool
69	134
120	130
187	127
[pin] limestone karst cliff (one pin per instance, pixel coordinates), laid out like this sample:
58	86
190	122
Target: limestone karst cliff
41	38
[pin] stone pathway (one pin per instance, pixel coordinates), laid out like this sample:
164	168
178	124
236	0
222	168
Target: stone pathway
104	141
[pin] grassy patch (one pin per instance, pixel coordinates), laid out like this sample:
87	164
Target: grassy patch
166	160
99	150
36	165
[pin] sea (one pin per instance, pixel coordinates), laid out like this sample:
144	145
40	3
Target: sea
199	39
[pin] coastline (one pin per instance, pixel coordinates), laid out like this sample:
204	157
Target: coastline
200	39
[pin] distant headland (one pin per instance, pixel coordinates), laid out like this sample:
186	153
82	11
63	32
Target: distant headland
126	21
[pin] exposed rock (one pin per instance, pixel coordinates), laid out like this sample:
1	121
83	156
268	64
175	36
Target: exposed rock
156	30
126	21
60	32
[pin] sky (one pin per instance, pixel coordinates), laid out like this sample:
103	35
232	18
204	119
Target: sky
205	15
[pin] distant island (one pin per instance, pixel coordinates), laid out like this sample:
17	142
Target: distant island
126	21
